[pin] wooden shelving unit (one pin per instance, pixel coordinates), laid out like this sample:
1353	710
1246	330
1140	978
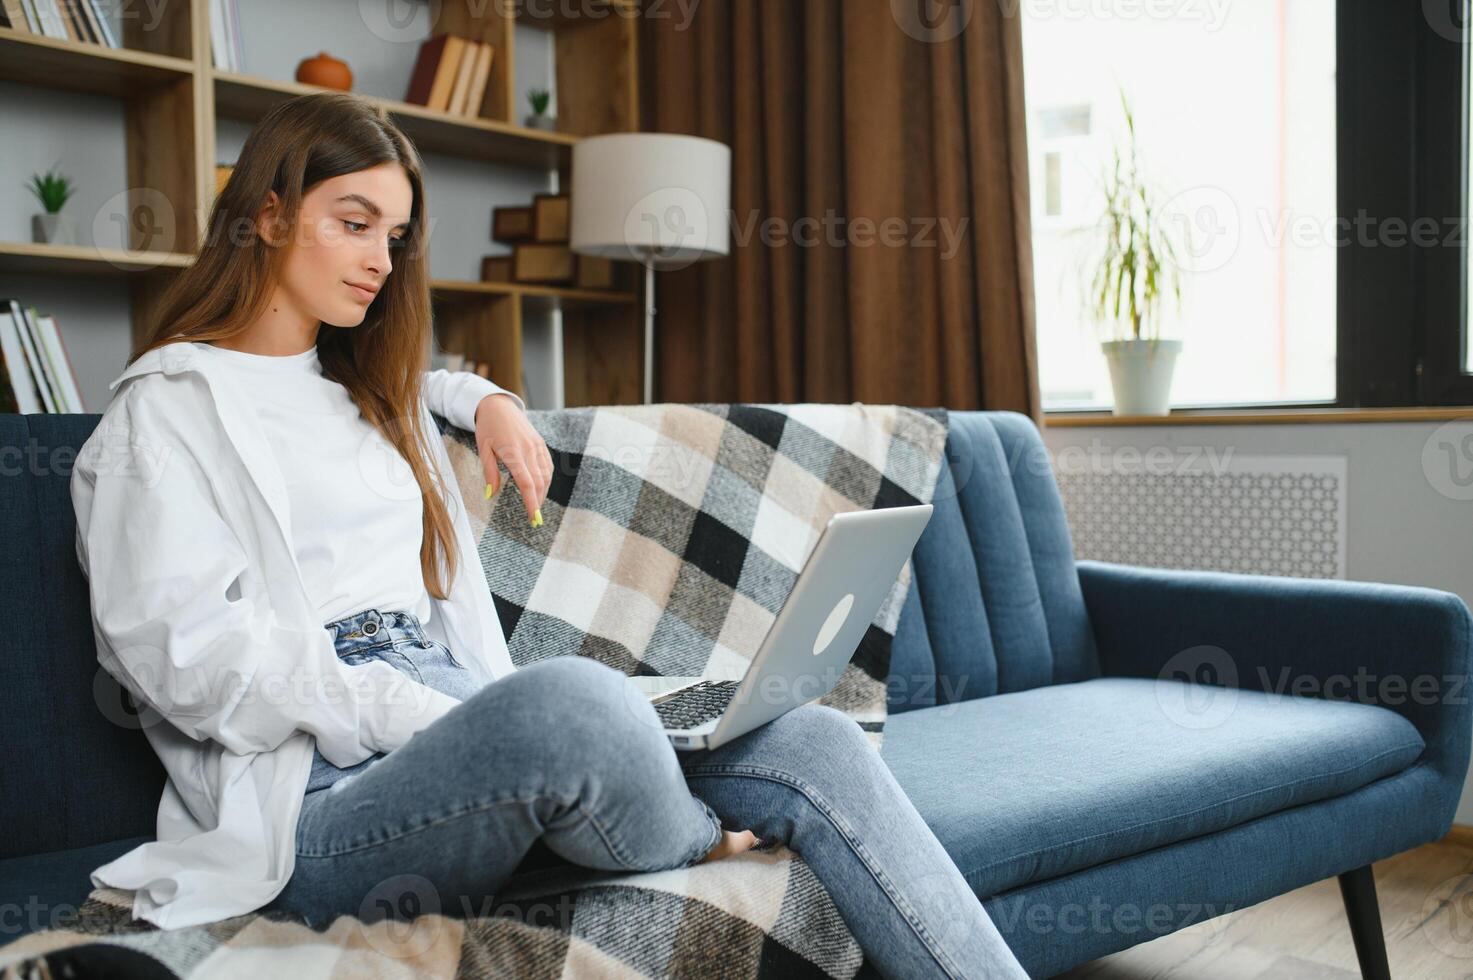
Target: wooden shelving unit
173	95
26	257
247	98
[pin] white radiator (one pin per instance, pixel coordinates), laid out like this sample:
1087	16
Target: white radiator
1205	508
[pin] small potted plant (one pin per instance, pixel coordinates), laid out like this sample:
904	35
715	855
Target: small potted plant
53	190
1137	270
539	119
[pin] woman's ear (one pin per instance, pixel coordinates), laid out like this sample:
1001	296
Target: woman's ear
268	220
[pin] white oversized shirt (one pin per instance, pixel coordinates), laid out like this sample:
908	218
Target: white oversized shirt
356	510
199	609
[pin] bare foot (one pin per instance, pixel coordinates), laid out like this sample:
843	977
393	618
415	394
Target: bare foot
732	842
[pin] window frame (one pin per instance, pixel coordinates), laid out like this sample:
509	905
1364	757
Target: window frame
1402	148
1444	64
1401	152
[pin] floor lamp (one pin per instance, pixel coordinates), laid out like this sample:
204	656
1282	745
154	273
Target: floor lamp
654	198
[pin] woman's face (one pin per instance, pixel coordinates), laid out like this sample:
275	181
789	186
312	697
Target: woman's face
348	232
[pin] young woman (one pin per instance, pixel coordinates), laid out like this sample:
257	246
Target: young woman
284	579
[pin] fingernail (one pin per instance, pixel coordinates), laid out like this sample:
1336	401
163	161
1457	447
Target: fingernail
489	490
537	517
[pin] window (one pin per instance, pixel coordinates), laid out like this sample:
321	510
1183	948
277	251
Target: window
1327	211
1235	122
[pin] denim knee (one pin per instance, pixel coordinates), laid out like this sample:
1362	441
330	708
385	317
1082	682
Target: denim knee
576	706
823	722
564	683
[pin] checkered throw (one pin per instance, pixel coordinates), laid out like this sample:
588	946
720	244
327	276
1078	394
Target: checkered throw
672	535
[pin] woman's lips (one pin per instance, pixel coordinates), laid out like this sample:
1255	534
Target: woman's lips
364	295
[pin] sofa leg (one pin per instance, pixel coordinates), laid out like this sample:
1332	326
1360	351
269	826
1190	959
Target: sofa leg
1358	888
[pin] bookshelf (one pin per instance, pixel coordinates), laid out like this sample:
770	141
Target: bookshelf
173	95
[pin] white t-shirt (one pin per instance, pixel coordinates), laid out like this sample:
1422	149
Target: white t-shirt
356	510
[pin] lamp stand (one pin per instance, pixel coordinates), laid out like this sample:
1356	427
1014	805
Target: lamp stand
649	330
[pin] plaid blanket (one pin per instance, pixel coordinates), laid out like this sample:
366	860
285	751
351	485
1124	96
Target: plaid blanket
674	533
672	536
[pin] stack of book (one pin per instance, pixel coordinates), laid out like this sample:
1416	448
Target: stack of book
65	20
35	371
451	75
538	236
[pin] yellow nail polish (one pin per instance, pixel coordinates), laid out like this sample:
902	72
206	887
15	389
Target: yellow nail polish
537	517
488	492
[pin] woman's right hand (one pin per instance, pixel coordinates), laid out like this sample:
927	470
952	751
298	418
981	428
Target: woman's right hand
731	842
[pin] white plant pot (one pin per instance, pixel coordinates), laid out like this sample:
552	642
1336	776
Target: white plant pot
1140	374
536	121
53	229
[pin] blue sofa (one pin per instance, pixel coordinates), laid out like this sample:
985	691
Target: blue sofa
1110	753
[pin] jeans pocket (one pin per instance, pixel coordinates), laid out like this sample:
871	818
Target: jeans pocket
439	669
449	654
357	659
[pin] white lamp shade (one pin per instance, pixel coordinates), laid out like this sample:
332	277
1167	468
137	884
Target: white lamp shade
656	198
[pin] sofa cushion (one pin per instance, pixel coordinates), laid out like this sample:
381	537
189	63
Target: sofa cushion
1023	787
42	891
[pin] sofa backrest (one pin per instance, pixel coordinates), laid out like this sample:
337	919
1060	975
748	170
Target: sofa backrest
998	534
74	774
77	774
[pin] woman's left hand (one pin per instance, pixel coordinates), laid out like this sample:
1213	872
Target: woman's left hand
504	436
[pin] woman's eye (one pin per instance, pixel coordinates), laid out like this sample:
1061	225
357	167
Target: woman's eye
355	226
396	242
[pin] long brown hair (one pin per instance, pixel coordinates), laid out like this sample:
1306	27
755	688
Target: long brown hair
298	143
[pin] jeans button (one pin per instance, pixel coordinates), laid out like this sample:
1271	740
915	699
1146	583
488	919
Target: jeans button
370	628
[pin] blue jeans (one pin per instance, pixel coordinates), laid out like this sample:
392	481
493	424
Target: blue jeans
567	755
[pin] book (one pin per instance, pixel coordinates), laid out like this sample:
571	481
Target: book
433	77
105	24
422	76
237	40
480	80
447	72
14	14
460	94
27	19
60	364
217	33
32	358
17	374
72	9
64	11
50	17
92	19
50	394
7	394
38	371
222	42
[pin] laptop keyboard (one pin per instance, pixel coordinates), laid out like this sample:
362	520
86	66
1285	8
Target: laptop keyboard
697	704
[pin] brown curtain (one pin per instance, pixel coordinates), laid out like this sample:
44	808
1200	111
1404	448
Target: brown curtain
901	141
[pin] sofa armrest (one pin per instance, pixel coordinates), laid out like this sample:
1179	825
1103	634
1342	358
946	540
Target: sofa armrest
1402	647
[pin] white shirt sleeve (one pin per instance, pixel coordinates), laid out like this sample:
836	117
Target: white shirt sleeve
454	395
183	636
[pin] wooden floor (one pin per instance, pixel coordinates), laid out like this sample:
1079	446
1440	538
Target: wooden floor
1426	899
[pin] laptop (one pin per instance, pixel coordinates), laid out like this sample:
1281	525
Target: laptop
840	589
